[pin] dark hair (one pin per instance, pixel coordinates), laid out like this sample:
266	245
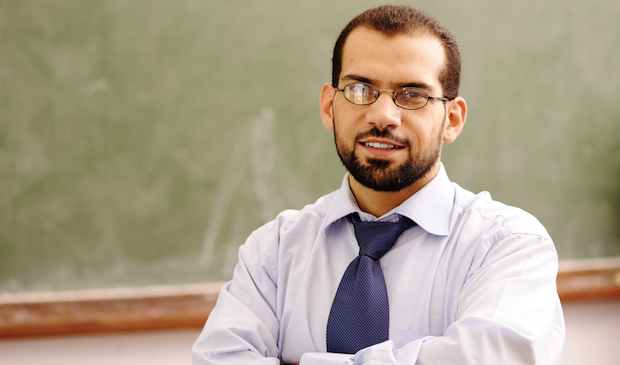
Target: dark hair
393	20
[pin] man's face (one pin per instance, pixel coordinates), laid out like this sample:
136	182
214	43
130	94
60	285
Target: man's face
384	147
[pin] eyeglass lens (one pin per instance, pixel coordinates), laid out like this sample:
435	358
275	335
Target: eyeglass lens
406	97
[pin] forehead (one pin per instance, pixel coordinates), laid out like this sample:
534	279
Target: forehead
393	61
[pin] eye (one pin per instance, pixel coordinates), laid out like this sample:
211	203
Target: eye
360	93
411	94
411	98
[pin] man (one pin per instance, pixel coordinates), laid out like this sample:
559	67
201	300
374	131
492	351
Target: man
466	281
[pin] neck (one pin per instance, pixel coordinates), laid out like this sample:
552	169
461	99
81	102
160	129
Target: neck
378	203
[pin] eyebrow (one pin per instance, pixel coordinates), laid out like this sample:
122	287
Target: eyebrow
358	78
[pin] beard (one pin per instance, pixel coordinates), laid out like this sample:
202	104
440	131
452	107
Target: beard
384	175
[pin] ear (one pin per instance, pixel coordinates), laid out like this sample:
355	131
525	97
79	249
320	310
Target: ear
326	108
455	119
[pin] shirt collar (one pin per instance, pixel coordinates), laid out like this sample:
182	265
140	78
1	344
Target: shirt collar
430	207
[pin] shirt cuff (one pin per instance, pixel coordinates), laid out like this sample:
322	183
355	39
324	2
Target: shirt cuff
325	358
382	353
266	361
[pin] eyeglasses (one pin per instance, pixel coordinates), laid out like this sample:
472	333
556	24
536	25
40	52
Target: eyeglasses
410	98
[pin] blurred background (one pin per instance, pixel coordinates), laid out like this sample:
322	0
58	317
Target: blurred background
142	141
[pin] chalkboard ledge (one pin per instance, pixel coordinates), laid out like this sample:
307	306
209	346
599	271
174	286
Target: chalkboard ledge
188	306
106	310
594	279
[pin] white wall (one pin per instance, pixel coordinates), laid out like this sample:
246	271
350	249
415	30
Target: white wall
148	348
593	337
592	333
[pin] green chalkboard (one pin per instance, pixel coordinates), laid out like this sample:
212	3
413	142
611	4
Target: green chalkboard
142	141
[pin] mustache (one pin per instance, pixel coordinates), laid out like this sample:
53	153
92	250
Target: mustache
386	134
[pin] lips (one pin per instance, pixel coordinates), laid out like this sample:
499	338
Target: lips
384	146
383	149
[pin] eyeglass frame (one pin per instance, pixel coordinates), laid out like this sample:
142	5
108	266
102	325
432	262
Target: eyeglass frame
428	97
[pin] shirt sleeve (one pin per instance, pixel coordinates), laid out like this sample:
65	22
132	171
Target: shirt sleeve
243	326
508	313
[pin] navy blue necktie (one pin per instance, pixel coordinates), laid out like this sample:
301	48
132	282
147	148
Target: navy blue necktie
360	317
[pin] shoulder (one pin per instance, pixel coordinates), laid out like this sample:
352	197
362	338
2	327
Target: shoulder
309	218
291	234
500	241
494	219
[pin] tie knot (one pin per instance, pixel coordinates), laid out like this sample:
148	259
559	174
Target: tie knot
376	238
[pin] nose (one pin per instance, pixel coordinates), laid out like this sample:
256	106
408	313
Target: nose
383	113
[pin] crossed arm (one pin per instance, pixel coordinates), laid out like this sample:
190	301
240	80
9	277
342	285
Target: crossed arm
508	312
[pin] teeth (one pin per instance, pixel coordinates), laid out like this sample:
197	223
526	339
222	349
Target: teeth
381	145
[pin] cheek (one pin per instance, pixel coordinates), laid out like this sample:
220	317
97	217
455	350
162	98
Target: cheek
344	135
347	123
424	128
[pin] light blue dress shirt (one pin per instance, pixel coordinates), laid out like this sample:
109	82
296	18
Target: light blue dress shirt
472	283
